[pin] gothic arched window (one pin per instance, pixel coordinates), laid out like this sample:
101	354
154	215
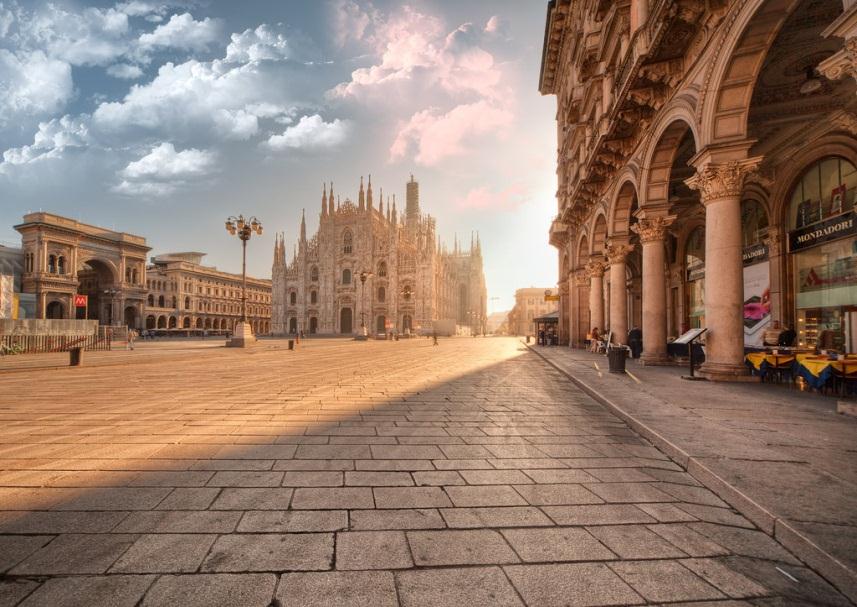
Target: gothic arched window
293	298
313	274
382	294
382	269
313	297
347	242
161	301
346	277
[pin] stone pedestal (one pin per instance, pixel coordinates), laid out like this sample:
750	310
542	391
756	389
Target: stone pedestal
720	186
652	231
242	336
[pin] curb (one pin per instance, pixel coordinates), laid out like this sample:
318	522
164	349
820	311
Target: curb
815	557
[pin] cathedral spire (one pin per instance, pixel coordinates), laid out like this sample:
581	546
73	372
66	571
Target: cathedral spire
361	197
381	202
303	226
324	200
389	208
369	194
394	209
330	200
478	245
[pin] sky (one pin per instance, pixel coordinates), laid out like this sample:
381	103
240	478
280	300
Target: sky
162	118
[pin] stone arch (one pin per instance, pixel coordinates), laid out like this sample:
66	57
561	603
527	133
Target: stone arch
599	233
199	324
381	324
162	322
667	141
624	204
151	323
346	321
55	309
582	249
740	54
173	323
186	322
313	324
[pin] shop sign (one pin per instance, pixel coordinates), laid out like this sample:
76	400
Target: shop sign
828	230
80	301
755	253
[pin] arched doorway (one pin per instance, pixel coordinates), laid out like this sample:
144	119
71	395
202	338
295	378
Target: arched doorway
186	322
173	323
293	325
96	281
381	324
313	325
130	317
162	322
407	323
55	310
199	323
345	321
150	322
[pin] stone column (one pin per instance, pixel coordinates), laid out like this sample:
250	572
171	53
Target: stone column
720	185
571	304
596	268
617	253
581	283
652	231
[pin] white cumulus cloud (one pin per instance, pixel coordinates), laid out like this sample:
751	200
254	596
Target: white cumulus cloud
124	71
32	84
50	141
257	45
183	32
164	169
311	132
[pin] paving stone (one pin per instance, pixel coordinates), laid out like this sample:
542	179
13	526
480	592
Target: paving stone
722	516
13	590
511	516
164	553
495	477
477	547
212	590
488	495
333	498
91	591
745	542
571	585
600	514
401	465
559	476
405	519
333	452
635	542
397	452
465	451
268	498
439	478
314	464
557	495
180	521
473	586
556	544
630	493
359	550
527	463
246	479
271	552
665	581
312	478
411	497
666	513
15	548
189	499
688	540
725	578
461	464
379	479
293	521
338	588
76	553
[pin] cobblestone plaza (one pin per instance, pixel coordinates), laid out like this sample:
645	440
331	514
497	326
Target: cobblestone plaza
356	473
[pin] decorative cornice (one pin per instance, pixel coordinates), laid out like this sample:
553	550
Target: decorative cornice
725	180
653	229
842	63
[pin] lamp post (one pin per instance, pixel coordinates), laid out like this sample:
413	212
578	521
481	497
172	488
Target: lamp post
243	228
363	276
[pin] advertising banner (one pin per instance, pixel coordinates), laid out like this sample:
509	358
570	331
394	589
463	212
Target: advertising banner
757	295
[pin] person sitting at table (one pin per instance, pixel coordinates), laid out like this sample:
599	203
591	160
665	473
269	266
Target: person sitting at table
827	340
787	338
772	335
594	340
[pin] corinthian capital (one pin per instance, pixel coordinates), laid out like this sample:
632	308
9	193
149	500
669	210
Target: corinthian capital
725	180
617	252
842	63
653	229
596	268
581	278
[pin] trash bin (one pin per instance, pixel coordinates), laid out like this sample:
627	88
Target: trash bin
616	359
528	339
291	344
75	357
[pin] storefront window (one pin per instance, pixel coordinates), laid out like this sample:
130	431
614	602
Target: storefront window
823	255
695	262
754	222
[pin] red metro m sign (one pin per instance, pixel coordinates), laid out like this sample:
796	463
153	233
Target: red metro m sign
80	301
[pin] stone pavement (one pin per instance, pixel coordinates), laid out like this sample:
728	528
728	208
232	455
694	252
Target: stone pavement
781	456
357	473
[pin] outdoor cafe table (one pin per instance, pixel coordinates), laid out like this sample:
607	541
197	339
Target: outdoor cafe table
762	362
818	370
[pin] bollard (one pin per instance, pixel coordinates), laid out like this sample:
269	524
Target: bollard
75	357
291	344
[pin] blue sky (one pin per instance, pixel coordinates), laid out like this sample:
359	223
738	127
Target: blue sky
162	118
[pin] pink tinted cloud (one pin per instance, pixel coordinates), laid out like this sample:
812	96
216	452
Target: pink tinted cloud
436	135
508	199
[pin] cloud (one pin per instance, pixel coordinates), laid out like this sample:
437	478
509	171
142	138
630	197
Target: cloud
350	22
507	199
184	33
32	84
311	132
124	71
50	141
163	170
257	45
436	135
497	26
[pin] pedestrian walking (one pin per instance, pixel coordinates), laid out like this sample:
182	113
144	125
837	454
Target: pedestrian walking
131	335
434	338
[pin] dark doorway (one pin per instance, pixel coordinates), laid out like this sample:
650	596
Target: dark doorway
313	325
55	309
345	323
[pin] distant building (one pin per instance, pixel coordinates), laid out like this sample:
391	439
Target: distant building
496	320
529	304
412	282
184	294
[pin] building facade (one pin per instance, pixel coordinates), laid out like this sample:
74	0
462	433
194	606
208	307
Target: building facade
530	303
369	265
185	294
706	170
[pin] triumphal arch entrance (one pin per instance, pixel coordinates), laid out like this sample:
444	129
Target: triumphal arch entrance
64	258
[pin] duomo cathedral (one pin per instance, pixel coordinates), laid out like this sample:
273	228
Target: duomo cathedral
370	265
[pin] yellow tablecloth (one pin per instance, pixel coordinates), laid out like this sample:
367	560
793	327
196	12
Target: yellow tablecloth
774	360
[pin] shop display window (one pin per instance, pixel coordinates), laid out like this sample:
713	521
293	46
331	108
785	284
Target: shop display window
695	264
827	188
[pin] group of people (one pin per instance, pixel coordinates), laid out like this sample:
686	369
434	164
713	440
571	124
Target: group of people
635	341
779	336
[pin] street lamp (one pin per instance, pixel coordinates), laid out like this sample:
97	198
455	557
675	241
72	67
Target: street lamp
243	228
363	276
